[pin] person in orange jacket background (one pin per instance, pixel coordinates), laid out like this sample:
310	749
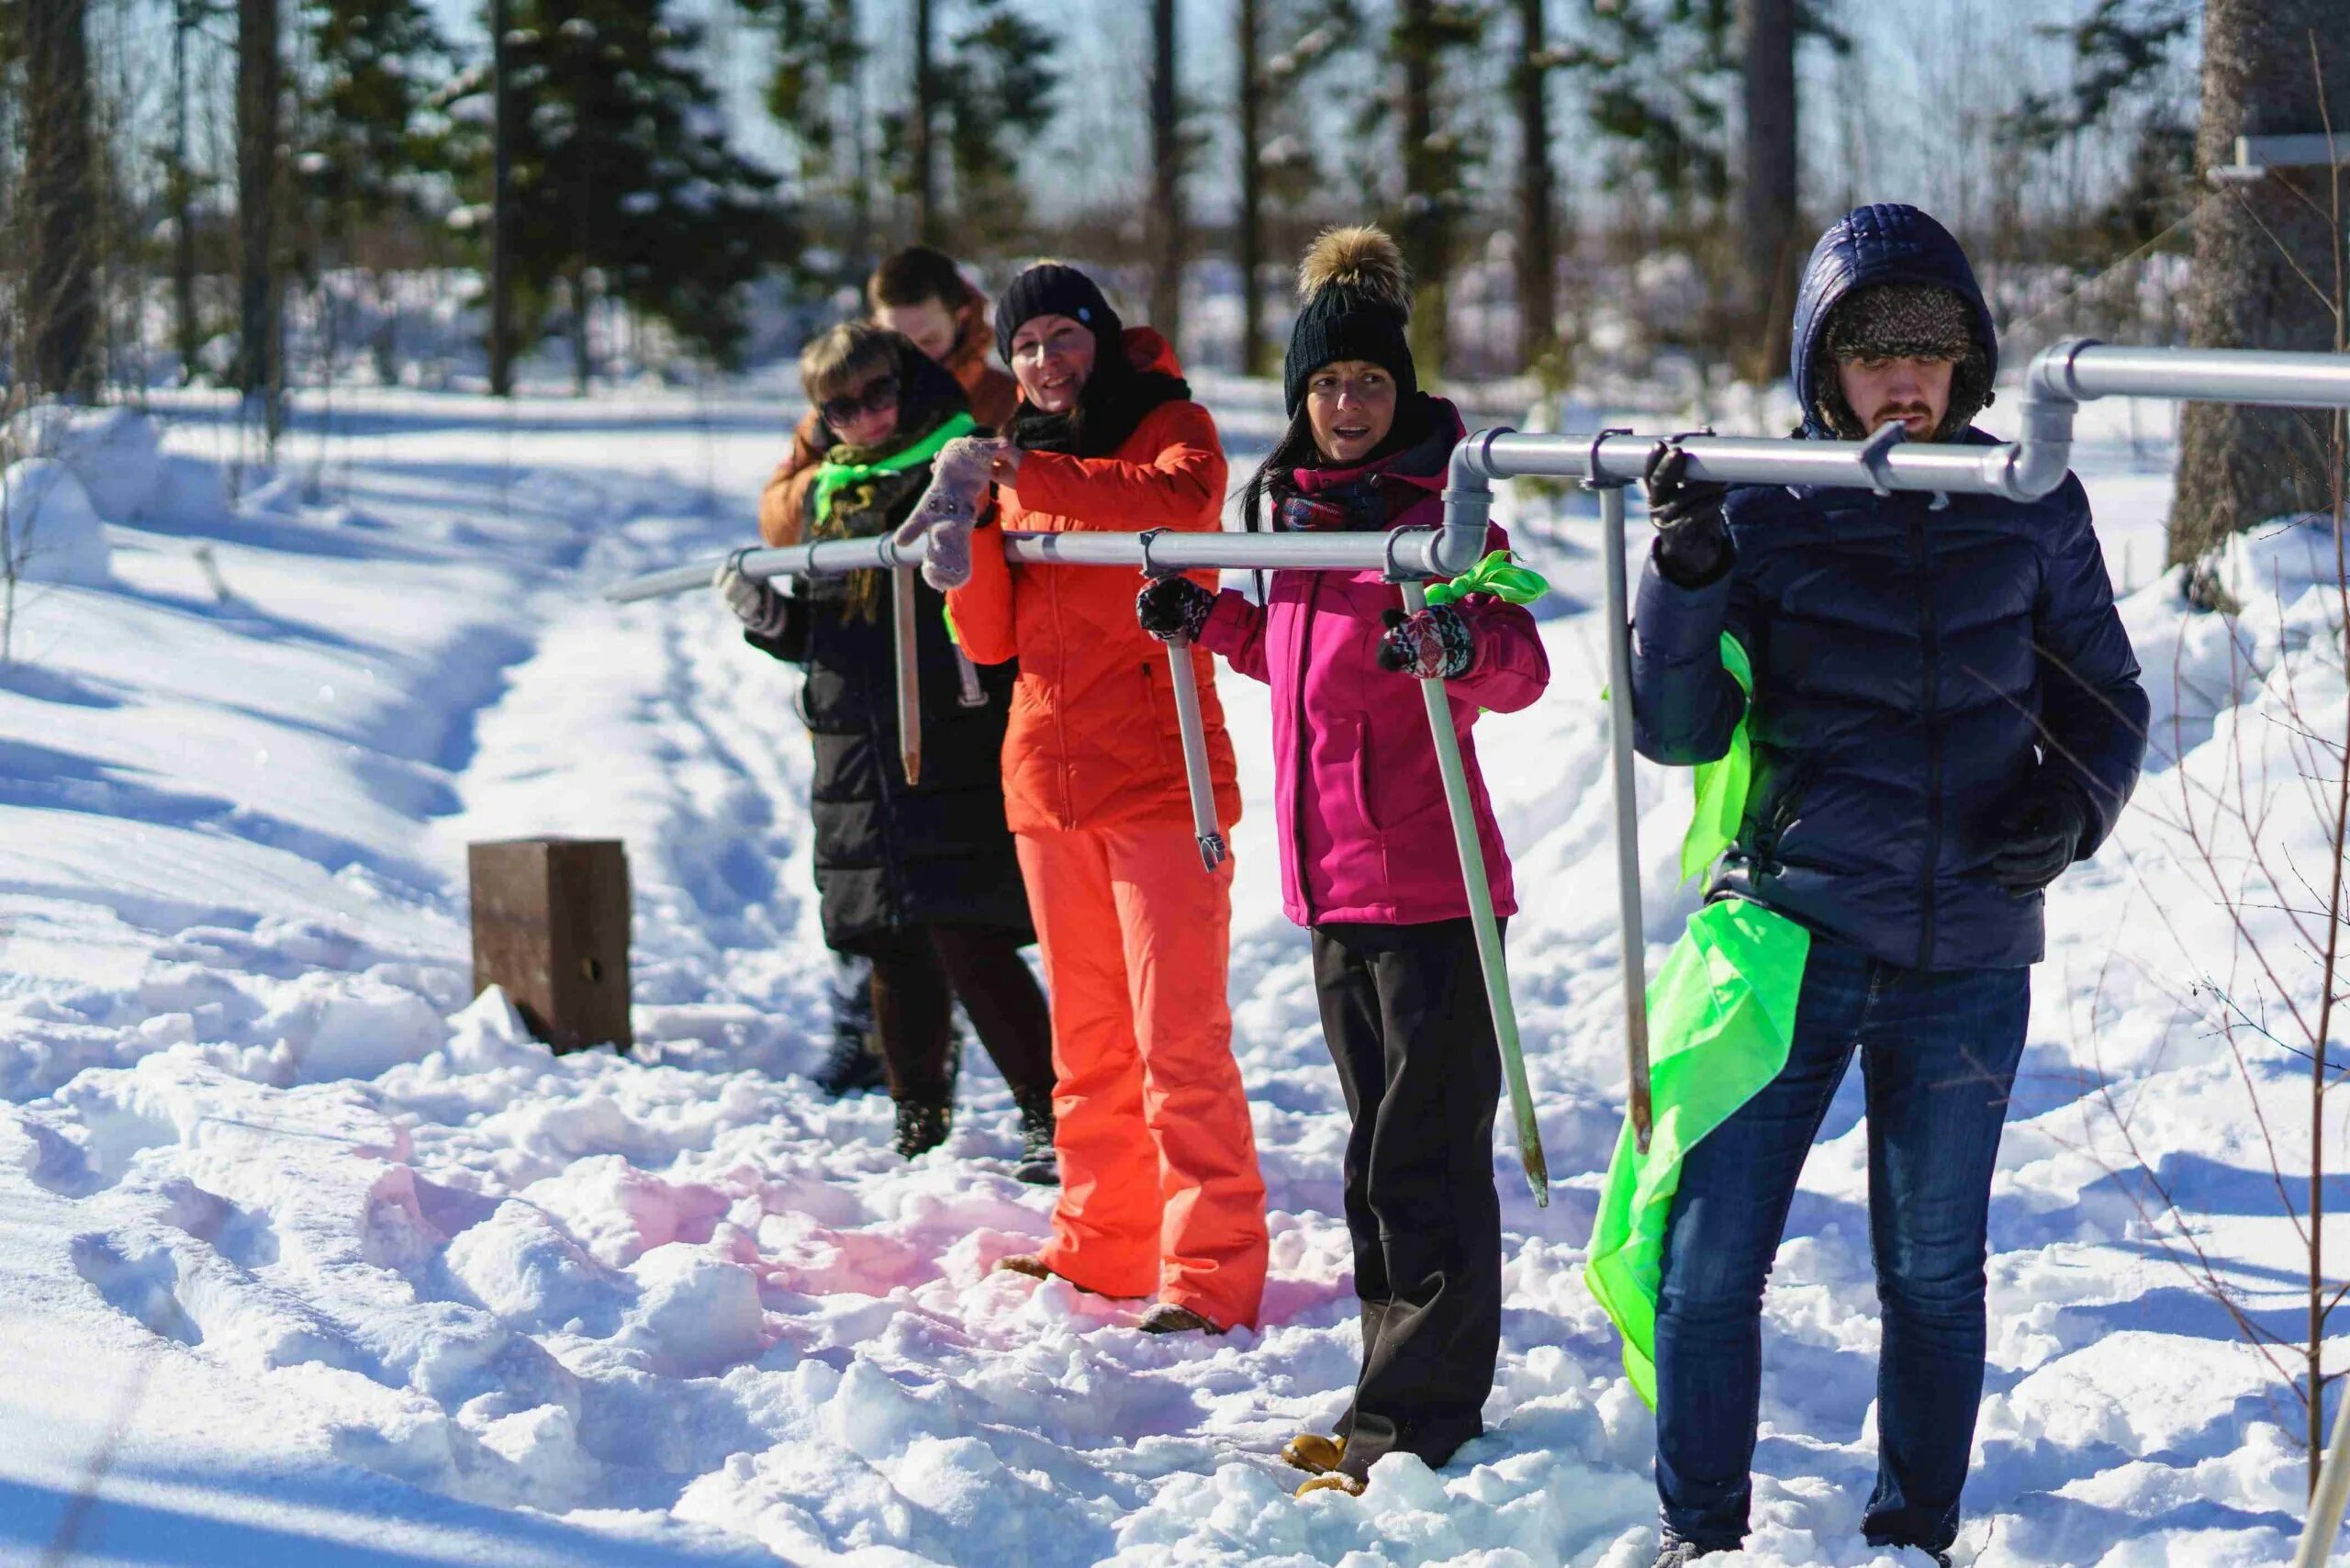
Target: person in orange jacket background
1161	1195
919	294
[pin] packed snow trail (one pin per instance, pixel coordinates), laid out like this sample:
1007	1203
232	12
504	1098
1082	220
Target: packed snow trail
310	1258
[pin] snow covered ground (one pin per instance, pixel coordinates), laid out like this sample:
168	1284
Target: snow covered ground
306	1256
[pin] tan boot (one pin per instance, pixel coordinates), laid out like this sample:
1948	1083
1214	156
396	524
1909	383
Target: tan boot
1314	1453
1169	1319
1026	1263
1337	1480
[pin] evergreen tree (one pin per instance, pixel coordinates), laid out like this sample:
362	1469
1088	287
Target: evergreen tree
1437	152
1700	94
1657	77
816	92
59	288
1278	171
623	178
372	154
2125	57
370	150
998	97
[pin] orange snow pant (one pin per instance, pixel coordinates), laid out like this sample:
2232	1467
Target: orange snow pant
1160	1190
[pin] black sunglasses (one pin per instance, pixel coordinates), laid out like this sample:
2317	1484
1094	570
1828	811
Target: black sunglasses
877	396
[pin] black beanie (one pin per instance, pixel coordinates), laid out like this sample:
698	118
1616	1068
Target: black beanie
1356	304
1052	288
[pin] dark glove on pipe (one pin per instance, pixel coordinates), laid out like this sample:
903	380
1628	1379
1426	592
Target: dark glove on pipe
1692	545
1434	644
2039	836
1173	609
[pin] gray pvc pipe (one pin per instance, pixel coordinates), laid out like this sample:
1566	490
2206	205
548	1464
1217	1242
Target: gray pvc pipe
2332	1491
1400	554
902	604
1195	731
1628	918
2083	368
1492	961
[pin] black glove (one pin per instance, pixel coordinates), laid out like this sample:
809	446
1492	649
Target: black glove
2039	836
1434	644
1173	609
1692	545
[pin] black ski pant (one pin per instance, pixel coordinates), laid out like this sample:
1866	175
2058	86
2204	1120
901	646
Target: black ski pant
1404	1011
919	974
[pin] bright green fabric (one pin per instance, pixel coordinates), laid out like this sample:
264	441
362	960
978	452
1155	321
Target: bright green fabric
834	476
1721	1015
1498	575
1721	785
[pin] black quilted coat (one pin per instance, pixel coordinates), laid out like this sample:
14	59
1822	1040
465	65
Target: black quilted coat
891	856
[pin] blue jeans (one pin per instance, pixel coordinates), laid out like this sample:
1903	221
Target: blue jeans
1938	1053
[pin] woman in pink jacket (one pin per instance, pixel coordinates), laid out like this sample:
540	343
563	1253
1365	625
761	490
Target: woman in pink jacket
1367	858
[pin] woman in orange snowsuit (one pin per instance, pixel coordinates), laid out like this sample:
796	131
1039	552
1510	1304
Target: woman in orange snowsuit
1161	1195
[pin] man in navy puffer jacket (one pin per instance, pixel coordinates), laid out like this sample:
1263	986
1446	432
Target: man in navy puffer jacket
1946	714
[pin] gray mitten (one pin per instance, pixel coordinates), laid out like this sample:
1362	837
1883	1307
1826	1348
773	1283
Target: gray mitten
753	599
950	509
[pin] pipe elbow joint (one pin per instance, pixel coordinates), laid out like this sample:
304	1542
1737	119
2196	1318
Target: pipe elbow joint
1459	543
2038	460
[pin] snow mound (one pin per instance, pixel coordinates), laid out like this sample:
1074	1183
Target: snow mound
54	532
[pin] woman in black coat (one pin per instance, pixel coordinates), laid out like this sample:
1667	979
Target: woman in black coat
918	877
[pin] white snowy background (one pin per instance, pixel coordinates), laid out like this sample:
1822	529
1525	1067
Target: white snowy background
307	1255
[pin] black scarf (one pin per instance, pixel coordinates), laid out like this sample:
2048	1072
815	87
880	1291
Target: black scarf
1114	399
1417	443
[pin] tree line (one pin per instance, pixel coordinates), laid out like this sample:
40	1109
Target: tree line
591	156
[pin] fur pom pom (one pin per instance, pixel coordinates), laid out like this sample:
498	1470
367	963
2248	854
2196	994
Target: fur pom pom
1363	258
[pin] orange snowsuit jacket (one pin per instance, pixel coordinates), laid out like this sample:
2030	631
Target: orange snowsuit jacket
1093	739
783	505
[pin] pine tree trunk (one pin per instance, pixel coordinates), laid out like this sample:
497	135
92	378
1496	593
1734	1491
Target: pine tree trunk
259	68
1250	240
186	330
1425	234
583	367
859	170
928	226
1537	328
1165	218
62	303
501	208
1767	211
2264	270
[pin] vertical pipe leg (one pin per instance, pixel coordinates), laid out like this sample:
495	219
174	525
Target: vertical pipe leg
903	603
1628	813
2326	1503
1490	957
1213	849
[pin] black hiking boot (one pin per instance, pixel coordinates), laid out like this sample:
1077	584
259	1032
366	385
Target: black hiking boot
923	1127
851	1068
1038	1165
854	1065
1674	1553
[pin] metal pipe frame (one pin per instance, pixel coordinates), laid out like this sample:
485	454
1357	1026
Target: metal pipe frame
1403	555
2059	379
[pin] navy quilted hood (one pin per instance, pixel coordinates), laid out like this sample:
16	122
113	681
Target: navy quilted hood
1883	243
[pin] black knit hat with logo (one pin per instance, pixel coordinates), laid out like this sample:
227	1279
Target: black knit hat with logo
1355	299
1056	288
